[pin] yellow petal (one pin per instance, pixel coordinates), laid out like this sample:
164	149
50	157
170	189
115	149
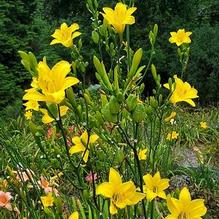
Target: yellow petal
74	215
148	180
75	34
93	138
84	138
150	195
185	195
61	69
114	177
167	86
173	205
70	81
76	149
105	189
113	209
74	27
85	155
63	110
197	208
76	140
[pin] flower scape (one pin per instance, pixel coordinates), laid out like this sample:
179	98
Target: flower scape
107	150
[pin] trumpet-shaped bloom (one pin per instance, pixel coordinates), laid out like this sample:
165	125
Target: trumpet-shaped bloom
28	114
65	35
142	154
203	125
44	184
48	119
74	215
182	91
180	37
51	83
119	17
185	207
82	144
155	186
5	200
172	135
120	194
47	200
31	105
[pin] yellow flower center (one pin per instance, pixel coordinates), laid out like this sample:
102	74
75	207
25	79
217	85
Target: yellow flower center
117	198
155	189
183	215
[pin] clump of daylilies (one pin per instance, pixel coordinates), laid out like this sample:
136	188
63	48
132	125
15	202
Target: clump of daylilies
115	133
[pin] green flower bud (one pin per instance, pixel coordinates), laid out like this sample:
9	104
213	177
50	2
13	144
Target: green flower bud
108	116
139	113
153	102
131	102
95	37
114	105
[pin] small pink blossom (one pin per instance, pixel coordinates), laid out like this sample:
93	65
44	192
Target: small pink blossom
44	184
91	176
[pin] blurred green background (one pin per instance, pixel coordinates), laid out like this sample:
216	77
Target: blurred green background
27	25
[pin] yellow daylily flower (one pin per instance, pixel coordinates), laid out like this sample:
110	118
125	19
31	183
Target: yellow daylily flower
120	194
172	135
31	105
28	114
119	17
65	35
155	186
74	215
142	154
48	119
170	117
47	200
51	83
81	144
203	125
180	37
182	91
185	207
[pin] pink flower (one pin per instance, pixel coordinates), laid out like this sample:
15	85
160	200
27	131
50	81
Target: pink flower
24	176
5	198
44	184
49	132
91	176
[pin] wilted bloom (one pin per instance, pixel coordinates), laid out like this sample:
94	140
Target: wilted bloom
142	154
182	91
65	34
82	144
155	186
5	200
172	135
180	37
74	215
48	119
185	207
31	105
203	125
170	117
47	200
91	177
119	17
51	84
44	184
120	194
25	175
28	114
